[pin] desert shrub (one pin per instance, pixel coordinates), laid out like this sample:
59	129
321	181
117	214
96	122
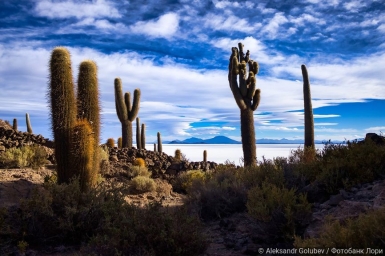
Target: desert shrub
139	171
184	181
102	223
104	160
270	202
338	166
28	156
143	184
150	231
139	162
220	195
365	231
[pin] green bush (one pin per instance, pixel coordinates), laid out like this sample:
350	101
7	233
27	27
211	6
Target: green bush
136	170
269	202
101	222
220	195
185	180
33	156
143	184
366	231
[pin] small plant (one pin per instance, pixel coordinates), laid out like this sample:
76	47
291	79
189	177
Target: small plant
139	162
139	171
28	156
104	160
185	180
110	143
143	184
178	155
22	246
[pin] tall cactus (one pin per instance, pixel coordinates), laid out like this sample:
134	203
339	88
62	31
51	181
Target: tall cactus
120	142
29	128
159	143
14	126
63	110
138	137
308	109
143	136
89	105
154	147
205	156
247	98
82	150
126	113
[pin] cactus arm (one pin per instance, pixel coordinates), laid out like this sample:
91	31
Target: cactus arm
251	85
135	106
233	71
120	105
256	99
127	101
138	137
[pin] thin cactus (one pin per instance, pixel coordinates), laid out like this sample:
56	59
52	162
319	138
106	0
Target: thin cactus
247	98
159	143
143	136
63	110
88	103
126	113
138	137
154	147
308	109
120	142
205	156
29	128
14	126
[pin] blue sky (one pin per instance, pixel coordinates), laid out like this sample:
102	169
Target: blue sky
177	53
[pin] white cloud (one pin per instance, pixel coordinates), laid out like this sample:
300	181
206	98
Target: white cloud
354	5
272	27
376	129
78	9
233	4
165	26
229	23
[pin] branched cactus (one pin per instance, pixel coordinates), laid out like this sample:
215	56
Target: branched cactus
88	103
14	126
138	137
205	156
120	142
308	109
29	128
143	136
247	98
63	110
159	143
126	113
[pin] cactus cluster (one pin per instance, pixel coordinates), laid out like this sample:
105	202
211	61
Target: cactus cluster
247	98
125	111
76	134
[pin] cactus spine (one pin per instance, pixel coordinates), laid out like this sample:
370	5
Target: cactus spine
88	104
14	126
120	142
159	143
29	128
126	113
308	109
143	136
205	156
138	137
247	98
63	110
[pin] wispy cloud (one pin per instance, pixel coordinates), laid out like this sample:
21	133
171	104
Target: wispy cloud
78	9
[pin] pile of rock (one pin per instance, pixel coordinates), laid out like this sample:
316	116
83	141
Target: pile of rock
158	163
10	138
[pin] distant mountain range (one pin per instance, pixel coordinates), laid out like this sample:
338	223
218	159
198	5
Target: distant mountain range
226	140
